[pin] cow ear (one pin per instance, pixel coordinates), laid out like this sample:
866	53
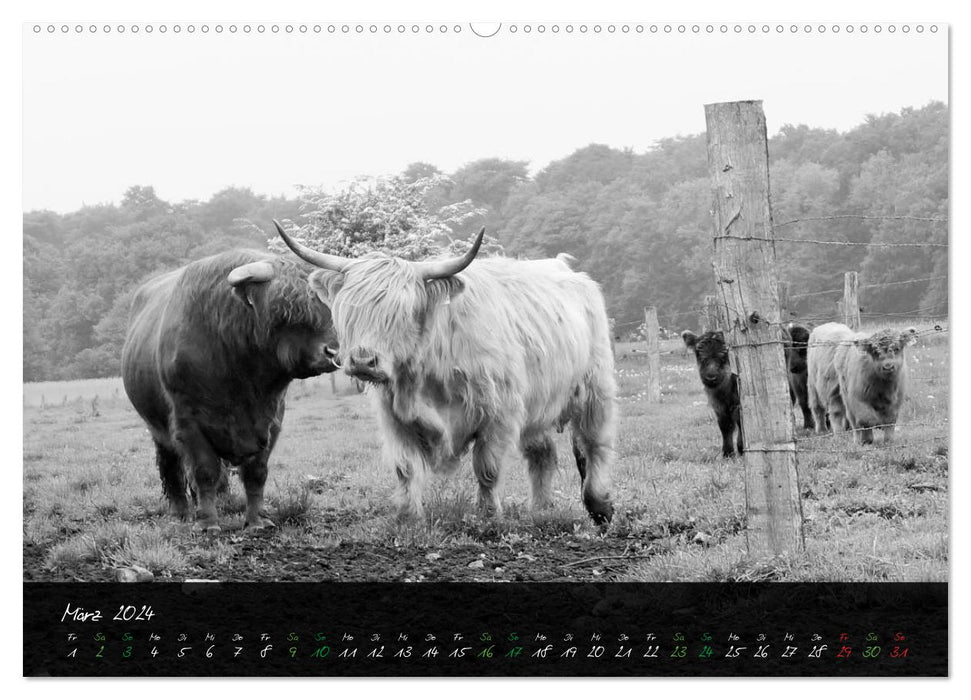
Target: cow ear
244	292
445	289
908	336
244	278
326	284
689	338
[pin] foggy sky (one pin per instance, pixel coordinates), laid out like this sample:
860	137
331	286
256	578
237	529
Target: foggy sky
193	114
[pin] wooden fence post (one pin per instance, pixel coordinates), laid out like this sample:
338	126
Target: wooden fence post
851	300
652	334
704	320
784	314
745	273
714	314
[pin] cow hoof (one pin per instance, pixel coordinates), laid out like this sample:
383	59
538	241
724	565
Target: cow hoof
489	514
261	524
601	514
180	515
207	528
409	515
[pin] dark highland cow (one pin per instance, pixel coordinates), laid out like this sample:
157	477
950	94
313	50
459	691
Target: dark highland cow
796	348
211	349
721	384
490	354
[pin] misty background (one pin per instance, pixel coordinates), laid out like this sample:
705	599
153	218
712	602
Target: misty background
638	223
143	152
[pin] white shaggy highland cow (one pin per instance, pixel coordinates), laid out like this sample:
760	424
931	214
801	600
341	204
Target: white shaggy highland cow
857	382
493	353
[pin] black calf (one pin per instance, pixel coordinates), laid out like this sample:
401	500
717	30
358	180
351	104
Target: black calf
721	385
797	344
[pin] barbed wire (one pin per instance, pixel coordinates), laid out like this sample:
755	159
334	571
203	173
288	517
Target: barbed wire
808	444
830	343
784	323
802	295
941	306
924	313
934	219
837	243
915	312
843	451
878	446
881	426
878	285
814	321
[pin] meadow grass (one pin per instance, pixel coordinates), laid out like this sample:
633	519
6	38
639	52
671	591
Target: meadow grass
92	498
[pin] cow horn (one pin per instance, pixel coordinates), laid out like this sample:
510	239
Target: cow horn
260	271
437	269
324	260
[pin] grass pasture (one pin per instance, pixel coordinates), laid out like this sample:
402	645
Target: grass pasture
92	498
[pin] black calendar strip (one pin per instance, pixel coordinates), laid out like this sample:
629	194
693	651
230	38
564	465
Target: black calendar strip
205	629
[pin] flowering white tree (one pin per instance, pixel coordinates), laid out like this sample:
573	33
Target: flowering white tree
386	214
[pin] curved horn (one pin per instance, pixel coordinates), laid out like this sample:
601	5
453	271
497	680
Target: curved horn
436	269
324	260
261	271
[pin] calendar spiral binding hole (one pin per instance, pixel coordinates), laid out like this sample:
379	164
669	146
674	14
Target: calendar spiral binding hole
527	29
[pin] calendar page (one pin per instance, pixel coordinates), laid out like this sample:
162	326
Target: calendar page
418	348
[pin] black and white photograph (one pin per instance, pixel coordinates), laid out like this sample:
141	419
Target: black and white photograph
494	303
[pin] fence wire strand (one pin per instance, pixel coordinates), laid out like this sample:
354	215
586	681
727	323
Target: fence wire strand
835	217
878	285
811	444
836	243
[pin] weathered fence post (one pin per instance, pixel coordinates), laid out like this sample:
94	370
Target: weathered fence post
714	314
784	314
704	320
851	300
333	384
652	334
745	274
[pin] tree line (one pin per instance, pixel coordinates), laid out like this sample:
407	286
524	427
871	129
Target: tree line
638	223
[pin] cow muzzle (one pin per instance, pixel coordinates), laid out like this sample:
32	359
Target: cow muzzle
363	364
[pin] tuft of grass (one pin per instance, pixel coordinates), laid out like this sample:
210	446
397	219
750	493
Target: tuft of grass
151	550
40	531
111	534
72	551
231	503
210	553
293	504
